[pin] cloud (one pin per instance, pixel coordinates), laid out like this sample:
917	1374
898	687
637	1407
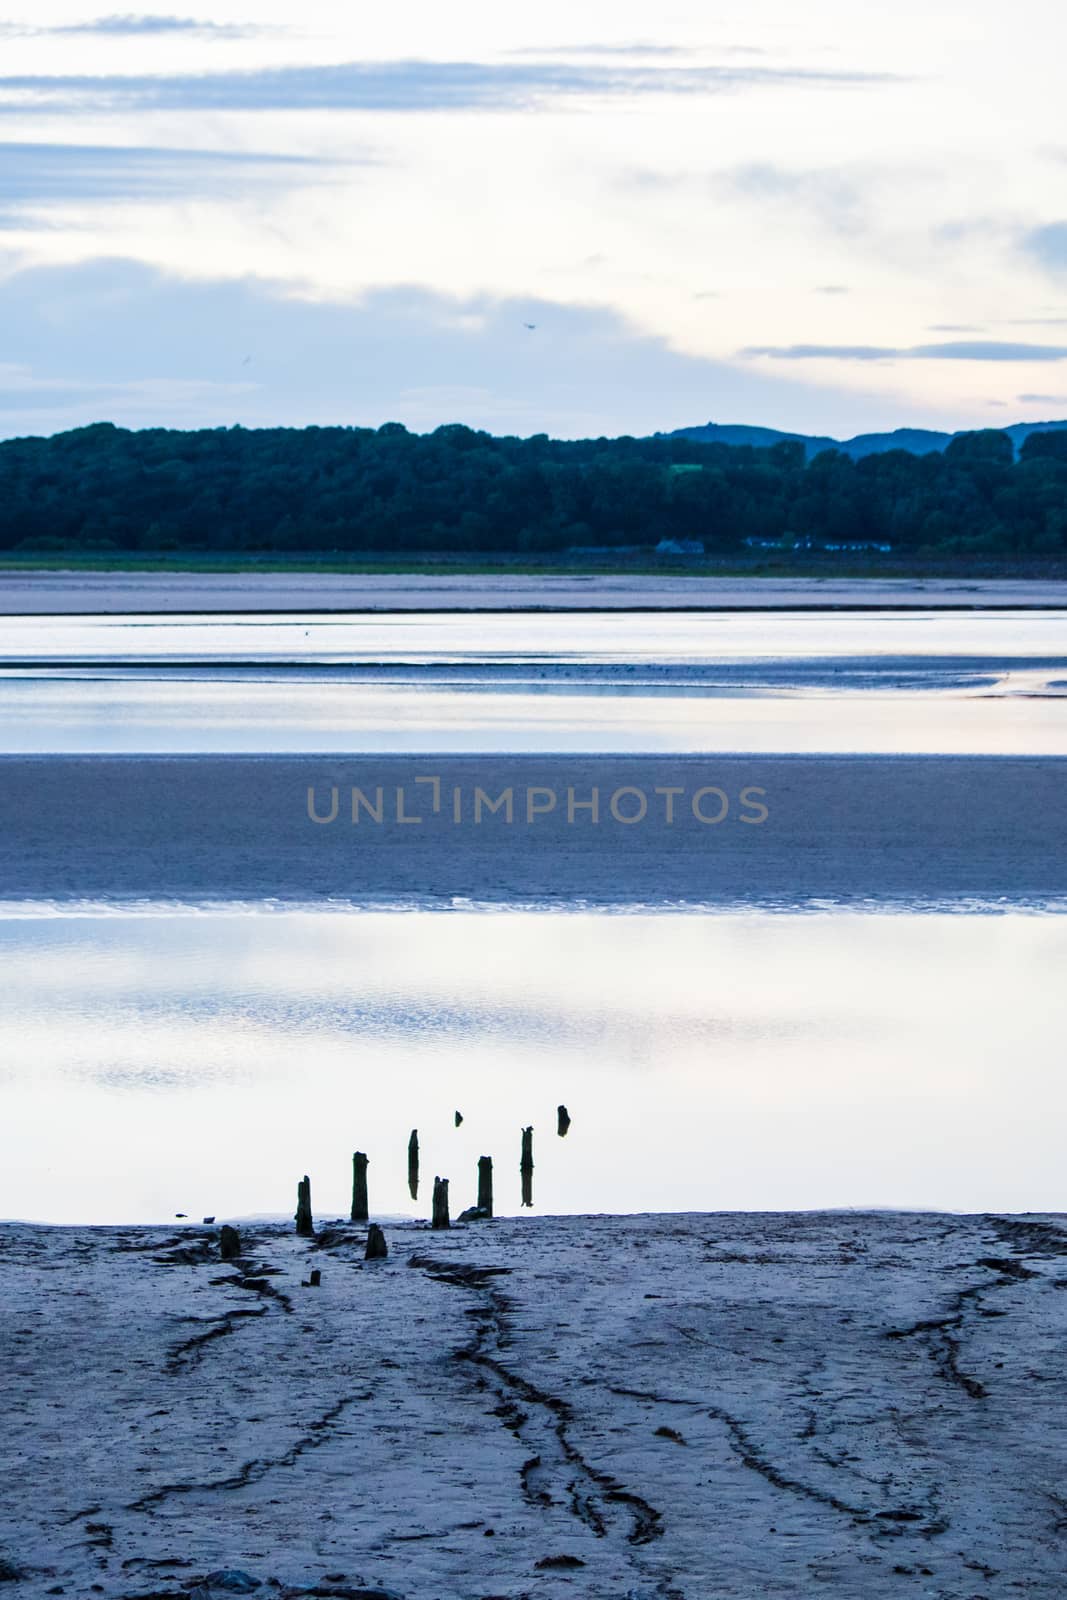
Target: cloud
821	352
1048	246
832	288
127	23
1042	399
132	25
976	350
840	198
398	86
119	341
39	175
623	50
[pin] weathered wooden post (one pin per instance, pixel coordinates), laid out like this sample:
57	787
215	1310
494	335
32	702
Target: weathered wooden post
360	1212
304	1224
526	1166
440	1204
459	1118
563	1121
413	1164
485	1185
229	1243
377	1249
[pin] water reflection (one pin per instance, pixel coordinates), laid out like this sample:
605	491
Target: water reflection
508	637
163	1064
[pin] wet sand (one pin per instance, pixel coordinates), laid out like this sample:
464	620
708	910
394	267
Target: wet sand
660	830
658	1408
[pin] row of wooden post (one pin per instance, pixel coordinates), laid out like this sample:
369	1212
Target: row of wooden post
439	1212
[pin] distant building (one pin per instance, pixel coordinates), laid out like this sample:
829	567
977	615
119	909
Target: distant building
860	544
807	543
680	547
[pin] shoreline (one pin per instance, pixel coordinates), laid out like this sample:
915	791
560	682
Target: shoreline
280	1223
104	592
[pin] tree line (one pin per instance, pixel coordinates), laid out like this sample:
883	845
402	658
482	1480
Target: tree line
353	491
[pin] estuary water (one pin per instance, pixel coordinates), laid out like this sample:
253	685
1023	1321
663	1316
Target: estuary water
894	682
201	1063
166	1057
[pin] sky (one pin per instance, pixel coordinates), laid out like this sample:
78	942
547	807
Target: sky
577	219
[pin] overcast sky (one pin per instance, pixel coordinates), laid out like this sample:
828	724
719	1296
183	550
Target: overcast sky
827	218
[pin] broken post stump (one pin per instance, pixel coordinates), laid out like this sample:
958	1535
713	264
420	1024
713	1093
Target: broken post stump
440	1204
485	1185
563	1121
413	1164
377	1249
359	1187
526	1166
229	1243
315	1278
304	1224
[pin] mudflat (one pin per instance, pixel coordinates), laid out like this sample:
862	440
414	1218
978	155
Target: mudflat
643	1406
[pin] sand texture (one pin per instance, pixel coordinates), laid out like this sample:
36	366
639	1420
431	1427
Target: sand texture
660	1408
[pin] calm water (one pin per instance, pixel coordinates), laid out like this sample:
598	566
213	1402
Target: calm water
991	683
202	1063
628	637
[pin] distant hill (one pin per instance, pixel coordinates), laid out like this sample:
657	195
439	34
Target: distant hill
918	441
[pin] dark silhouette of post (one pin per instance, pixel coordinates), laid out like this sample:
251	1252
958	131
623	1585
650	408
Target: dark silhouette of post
360	1212
485	1185
526	1166
304	1224
377	1249
440	1204
413	1164
229	1243
458	1118
563	1121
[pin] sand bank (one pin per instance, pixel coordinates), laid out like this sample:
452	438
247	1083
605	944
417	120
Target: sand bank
648	1407
55	593
604	830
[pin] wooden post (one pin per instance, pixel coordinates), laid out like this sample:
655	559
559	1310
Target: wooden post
315	1278
229	1243
304	1225
526	1166
359	1187
458	1118
440	1204
413	1164
485	1185
563	1121
377	1249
